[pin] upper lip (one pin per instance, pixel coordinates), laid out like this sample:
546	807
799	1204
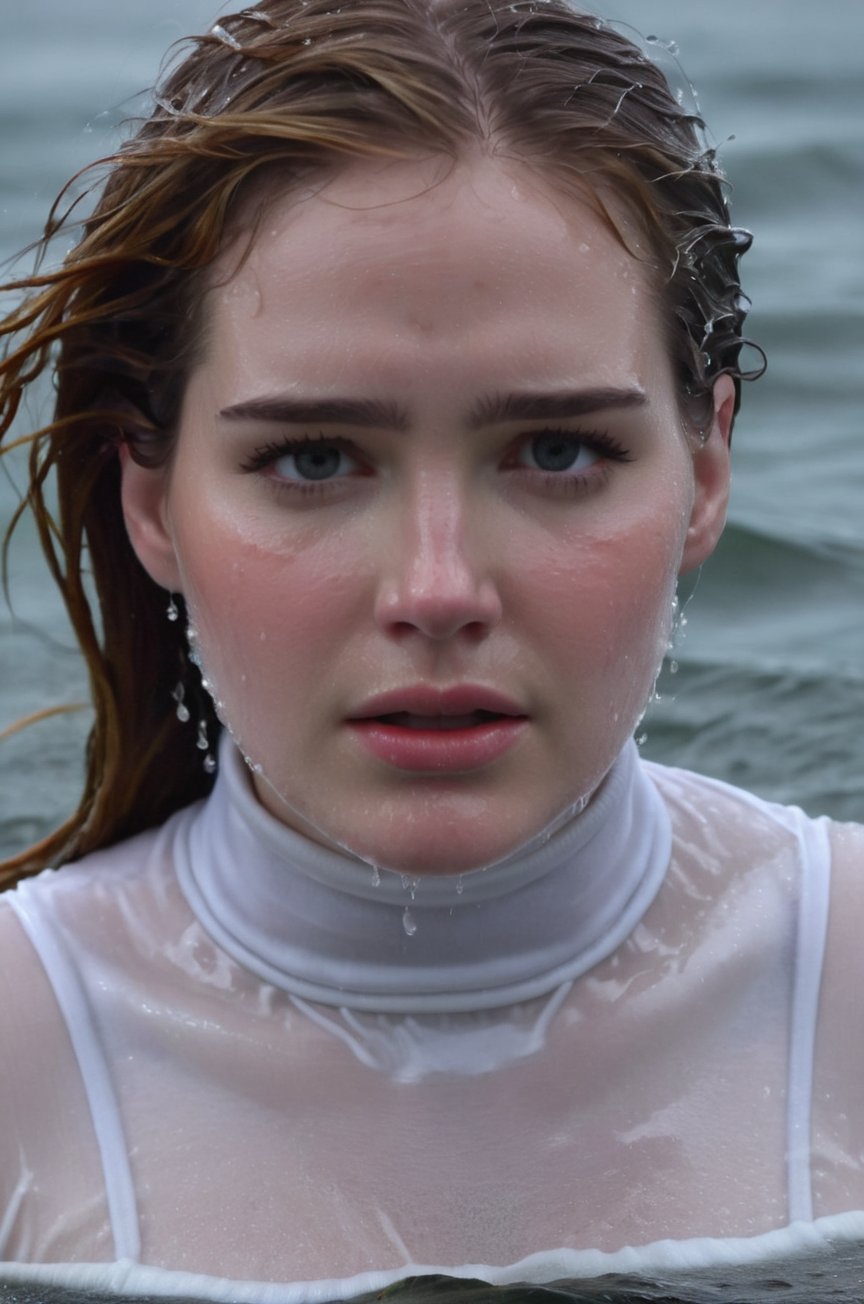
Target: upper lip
423	699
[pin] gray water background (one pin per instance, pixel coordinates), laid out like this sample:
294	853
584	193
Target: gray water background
769	692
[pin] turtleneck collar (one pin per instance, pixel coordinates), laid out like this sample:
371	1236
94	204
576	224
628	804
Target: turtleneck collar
325	926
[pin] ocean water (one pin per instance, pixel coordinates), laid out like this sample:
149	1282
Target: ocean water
769	688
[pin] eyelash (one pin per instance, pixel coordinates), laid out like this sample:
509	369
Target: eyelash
601	442
598	441
269	453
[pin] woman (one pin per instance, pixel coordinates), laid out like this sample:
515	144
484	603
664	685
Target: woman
396	372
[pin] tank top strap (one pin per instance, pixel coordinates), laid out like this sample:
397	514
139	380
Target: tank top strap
45	934
811	933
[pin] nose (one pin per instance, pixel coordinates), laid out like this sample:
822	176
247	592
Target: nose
437	581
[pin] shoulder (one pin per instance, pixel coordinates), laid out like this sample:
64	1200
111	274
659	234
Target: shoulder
838	1084
103	875
65	935
731	825
48	917
35	1052
842	1009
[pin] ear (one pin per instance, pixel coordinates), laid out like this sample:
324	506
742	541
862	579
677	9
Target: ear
712	472
143	495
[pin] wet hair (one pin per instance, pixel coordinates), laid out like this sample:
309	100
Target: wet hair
280	91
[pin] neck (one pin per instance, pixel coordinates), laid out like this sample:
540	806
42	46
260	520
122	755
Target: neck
325	926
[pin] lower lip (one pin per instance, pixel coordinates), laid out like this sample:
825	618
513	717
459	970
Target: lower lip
439	750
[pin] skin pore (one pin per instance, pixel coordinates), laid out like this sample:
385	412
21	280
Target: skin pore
434	443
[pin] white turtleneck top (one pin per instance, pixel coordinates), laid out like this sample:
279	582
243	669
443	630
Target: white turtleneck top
237	1066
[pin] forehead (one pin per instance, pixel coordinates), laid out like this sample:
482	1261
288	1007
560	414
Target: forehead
434	256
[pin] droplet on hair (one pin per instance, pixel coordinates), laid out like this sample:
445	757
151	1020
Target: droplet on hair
221	34
179	694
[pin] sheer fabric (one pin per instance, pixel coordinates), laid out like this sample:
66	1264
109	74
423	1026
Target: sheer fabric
230	1070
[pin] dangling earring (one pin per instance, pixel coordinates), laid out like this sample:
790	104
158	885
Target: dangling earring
190	657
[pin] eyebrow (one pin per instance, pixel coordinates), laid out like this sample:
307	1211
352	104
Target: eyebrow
498	408
334	411
491	410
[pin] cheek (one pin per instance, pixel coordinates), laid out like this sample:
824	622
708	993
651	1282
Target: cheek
266	615
607	599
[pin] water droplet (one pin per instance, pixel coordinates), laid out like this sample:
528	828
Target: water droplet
172	611
409	923
673	667
642	740
376	876
209	764
201	741
219	31
178	694
460	885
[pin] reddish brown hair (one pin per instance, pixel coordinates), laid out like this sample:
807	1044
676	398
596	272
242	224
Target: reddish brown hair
295	85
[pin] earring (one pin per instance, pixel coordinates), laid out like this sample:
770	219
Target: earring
189	656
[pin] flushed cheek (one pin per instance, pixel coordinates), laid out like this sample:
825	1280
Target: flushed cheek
606	611
267	623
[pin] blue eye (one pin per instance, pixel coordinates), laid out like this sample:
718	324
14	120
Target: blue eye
557	451
306	461
313	460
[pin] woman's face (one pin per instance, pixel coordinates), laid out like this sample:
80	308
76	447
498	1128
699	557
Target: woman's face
430	495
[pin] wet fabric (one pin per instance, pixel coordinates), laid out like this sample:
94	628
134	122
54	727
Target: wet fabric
230	1068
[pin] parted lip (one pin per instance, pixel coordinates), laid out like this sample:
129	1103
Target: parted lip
423	699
